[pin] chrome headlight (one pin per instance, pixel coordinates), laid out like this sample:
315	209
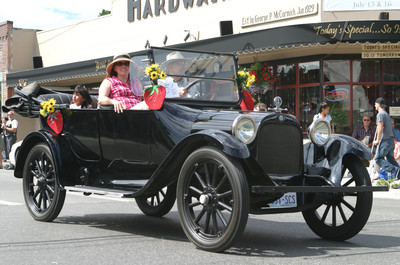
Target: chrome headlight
319	132
244	128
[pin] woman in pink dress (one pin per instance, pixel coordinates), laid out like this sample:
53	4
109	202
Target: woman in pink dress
116	87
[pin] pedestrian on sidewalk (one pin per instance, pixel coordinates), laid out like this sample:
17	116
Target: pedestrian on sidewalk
385	139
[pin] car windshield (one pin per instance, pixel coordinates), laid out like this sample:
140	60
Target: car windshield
201	76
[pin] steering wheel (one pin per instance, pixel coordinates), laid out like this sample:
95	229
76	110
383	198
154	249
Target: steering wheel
206	88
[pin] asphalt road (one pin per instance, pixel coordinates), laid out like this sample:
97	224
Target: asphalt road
110	230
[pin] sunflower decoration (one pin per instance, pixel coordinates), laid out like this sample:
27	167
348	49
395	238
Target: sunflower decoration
154	100
155	73
47	107
245	79
54	117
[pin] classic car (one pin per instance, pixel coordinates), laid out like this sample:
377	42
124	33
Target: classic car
218	162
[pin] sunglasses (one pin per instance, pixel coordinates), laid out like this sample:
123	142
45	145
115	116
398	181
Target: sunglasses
122	63
366	120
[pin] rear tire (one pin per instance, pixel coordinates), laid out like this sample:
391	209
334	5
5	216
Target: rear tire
344	215
43	196
158	204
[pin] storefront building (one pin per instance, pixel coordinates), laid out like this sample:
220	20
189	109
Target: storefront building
346	53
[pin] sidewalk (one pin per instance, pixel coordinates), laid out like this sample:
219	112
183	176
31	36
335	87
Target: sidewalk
391	194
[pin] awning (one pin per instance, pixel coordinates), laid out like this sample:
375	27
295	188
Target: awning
305	36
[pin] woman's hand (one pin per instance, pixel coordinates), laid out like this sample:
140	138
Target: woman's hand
118	106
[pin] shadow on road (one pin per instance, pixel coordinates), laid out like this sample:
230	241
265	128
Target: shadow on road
261	238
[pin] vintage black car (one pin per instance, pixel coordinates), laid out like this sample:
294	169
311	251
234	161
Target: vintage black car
219	163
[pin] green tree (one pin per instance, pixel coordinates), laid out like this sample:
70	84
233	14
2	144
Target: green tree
104	12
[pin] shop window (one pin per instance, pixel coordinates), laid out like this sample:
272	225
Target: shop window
286	75
336	71
309	98
338	98
391	93
391	70
364	102
288	96
309	72
366	71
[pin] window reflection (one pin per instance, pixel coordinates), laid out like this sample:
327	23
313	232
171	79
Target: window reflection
288	96
391	93
363	102
391	70
338	98
365	71
309	102
337	71
309	72
286	75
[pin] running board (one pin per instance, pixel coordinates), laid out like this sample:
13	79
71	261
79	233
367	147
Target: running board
102	191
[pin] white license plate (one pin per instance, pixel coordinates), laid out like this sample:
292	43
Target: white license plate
287	200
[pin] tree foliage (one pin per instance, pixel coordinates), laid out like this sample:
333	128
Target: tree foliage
104	12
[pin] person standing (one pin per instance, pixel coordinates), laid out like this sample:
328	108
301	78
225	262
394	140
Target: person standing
365	132
323	112
10	131
385	139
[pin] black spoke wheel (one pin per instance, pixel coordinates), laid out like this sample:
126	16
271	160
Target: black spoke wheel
344	215
43	196
212	199
158	204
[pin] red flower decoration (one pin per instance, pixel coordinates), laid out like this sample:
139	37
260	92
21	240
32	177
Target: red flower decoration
55	122
247	102
154	100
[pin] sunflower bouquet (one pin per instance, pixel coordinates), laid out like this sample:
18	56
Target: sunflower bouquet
48	107
54	117
245	79
154	72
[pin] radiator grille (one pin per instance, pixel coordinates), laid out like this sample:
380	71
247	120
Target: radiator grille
279	149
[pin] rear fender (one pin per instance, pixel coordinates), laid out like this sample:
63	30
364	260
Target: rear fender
30	141
332	154
169	169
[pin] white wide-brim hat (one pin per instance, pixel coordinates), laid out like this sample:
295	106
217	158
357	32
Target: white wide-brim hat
123	57
174	57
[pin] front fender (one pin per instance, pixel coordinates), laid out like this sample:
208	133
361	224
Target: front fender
30	141
169	169
331	155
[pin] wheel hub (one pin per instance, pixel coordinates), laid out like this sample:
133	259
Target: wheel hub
41	181
205	199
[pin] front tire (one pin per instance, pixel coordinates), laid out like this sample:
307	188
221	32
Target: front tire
344	215
43	196
212	199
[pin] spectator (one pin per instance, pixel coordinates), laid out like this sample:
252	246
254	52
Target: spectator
396	132
10	131
365	132
3	139
385	139
323	112
260	107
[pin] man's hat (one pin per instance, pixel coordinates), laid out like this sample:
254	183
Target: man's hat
381	101
174	57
